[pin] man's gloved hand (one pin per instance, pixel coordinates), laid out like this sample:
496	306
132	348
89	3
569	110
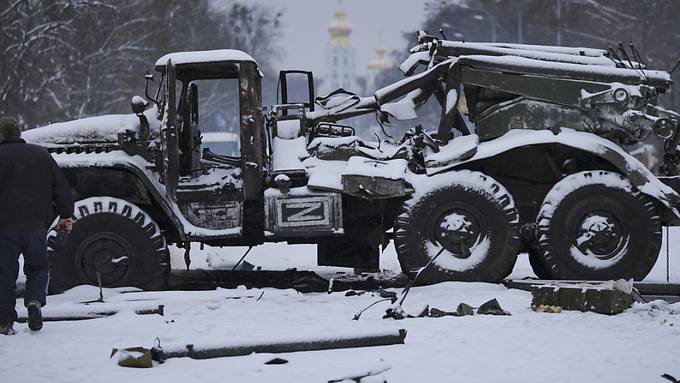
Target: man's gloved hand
65	224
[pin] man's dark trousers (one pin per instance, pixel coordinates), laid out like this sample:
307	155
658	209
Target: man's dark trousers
31	243
32	191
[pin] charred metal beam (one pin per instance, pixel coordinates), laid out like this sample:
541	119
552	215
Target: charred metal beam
196	351
94	315
303	281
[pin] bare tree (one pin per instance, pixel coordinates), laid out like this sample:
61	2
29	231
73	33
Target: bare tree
65	59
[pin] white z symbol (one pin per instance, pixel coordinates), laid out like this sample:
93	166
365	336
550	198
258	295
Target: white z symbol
301	216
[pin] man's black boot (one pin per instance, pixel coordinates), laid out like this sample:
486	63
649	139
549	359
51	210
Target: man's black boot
35	321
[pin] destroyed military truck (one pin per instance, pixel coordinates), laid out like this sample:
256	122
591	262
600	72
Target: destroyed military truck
527	157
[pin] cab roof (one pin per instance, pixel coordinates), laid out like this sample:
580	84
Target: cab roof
214	64
203	57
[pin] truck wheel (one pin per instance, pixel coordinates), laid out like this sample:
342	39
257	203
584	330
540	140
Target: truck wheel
467	213
595	225
114	238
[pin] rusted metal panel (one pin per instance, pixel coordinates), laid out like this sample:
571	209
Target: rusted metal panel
570	71
217	214
562	91
373	187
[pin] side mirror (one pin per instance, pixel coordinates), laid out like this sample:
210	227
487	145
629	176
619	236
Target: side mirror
138	104
299	79
149	77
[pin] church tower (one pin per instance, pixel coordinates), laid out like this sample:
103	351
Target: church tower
340	55
378	64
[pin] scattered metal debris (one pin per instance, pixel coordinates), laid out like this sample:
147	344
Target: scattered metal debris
375	371
491	307
387	294
463	309
276	361
358	315
397	311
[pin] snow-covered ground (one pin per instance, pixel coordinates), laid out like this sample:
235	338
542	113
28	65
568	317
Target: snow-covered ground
636	346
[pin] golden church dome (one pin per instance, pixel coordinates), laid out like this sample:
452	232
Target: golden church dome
340	30
381	61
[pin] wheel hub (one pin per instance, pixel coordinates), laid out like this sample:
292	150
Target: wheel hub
599	234
458	231
107	254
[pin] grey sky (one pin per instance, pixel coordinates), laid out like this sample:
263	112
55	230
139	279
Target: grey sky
306	21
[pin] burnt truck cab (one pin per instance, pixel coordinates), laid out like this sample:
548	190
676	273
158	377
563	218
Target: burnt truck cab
261	194
264	193
219	196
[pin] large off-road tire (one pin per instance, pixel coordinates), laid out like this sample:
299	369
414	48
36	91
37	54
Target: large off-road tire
470	215
595	225
115	238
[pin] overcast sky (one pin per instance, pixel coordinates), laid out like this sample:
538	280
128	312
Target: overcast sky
305	31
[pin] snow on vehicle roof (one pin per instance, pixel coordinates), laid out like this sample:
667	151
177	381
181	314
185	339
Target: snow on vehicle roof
90	130
195	57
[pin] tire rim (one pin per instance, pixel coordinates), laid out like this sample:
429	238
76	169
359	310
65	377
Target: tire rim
601	235
107	253
458	230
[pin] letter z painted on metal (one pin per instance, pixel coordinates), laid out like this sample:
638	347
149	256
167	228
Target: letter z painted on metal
300	212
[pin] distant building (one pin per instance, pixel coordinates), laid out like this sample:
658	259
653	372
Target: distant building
378	64
340	55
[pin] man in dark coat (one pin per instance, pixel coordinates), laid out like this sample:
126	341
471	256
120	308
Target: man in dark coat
32	190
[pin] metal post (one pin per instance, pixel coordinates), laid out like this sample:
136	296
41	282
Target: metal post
668	255
492	21
672	94
558	21
520	15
